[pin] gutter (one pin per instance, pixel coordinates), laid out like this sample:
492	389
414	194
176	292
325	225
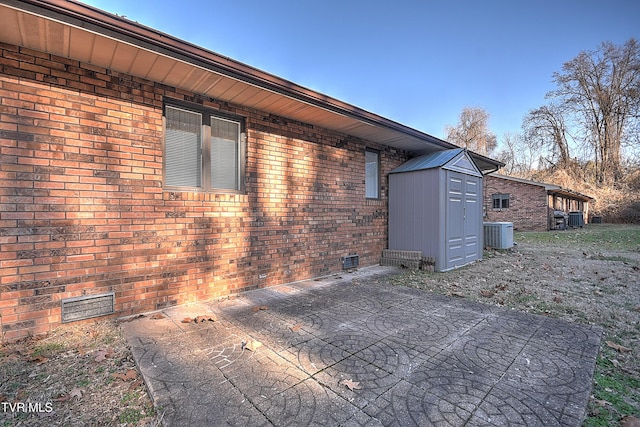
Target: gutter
120	28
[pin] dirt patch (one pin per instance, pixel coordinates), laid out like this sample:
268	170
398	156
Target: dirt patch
80	375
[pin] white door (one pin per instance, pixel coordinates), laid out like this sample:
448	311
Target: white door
463	220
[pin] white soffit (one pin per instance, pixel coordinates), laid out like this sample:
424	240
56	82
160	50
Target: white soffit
86	44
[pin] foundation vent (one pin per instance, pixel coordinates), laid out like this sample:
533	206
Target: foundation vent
350	261
86	307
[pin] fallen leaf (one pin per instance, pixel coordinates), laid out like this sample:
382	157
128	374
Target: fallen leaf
158	316
251	345
486	293
39	360
62	398
629	421
187	320
102	355
77	393
296	328
618	347
615	362
351	385
130	375
129	319
601	402
135	384
201	319
261	307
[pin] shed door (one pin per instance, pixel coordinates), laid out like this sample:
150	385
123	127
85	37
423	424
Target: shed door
463	219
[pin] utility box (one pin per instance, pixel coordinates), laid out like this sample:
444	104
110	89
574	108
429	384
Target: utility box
498	235
576	219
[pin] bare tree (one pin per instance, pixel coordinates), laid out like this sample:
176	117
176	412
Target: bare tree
518	154
602	88
472	131
545	129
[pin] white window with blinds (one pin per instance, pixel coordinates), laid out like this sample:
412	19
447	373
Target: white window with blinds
225	154
183	148
372	174
202	151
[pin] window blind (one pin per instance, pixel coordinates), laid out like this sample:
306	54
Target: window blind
183	148
225	151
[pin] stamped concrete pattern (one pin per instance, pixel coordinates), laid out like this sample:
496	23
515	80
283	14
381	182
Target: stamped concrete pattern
410	358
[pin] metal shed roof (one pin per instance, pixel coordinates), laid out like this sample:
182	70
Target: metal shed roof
428	161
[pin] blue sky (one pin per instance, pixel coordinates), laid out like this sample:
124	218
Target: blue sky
417	62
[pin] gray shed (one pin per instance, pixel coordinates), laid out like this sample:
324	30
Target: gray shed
435	206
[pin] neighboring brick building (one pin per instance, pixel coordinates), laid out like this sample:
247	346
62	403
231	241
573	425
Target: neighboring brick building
140	167
529	205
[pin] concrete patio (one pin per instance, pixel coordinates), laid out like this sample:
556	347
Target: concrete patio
350	351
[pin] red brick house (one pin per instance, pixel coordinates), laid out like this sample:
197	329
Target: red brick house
138	171
530	205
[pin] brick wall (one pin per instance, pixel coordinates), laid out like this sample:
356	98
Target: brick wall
527	204
83	211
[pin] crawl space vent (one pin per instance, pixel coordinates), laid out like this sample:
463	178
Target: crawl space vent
350	261
86	307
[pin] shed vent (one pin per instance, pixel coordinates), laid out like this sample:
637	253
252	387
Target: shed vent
350	261
86	307
498	235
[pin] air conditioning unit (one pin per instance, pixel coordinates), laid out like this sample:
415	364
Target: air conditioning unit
498	235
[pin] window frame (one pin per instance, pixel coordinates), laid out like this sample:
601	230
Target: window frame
378	174
501	198
207	115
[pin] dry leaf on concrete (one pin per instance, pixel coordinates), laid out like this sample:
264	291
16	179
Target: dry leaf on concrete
158	316
618	347
251	345
296	328
351	385
486	293
258	308
199	319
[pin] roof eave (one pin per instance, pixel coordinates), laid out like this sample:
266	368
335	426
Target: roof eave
96	21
